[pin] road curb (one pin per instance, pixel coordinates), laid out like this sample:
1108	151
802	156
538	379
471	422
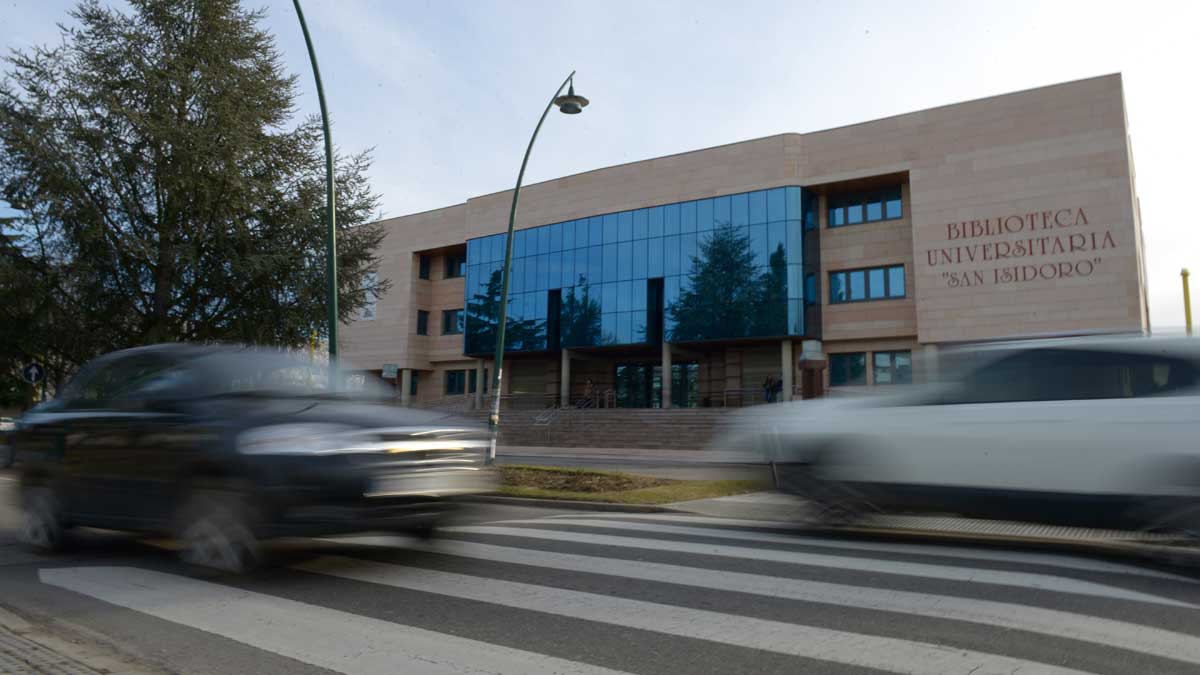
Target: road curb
57	648
569	504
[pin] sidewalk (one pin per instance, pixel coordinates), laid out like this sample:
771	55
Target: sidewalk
26	649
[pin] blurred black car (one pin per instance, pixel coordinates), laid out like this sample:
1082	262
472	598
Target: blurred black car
224	446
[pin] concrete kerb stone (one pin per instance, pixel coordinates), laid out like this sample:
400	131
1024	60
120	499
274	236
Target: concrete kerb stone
28	648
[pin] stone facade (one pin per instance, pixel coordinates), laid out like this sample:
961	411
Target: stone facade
1019	219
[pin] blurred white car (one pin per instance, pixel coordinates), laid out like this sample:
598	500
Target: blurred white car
1093	432
7	424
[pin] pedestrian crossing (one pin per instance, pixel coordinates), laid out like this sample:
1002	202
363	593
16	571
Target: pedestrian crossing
669	593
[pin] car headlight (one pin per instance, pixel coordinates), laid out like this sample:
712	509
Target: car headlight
293	439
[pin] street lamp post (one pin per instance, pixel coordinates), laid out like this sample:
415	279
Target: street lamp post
570	104
330	210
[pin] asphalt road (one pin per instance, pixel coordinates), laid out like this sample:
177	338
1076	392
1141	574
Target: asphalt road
523	590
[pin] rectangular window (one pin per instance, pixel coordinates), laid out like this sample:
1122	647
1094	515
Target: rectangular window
422	322
874	283
810	289
456	265
848	369
456	382
865	207
423	267
452	321
895	281
412	386
893	367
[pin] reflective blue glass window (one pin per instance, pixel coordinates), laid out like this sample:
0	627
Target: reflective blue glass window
874	209
516	284
777	242
624	328
568	235
758	206
739	209
704	215
639	326
595	273
655	220
670	291
625	260
792	204
671	257
610	228
530	310
776	210
857	281
687	217
543	272
837	216
896	282
654	257
581	266
556	237
595	231
875	283
671	219
543	240
581	232
555	274
758	244
531	274
722	211
624	299
566	276
638	295
519	242
795	241
687	251
608	328
640	248
610	263
854	214
795	281
641	224
795	318
543	300
625	226
892	199
810	289
608	297
837	287
472	251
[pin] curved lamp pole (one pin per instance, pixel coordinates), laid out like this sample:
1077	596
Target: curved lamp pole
570	104
330	211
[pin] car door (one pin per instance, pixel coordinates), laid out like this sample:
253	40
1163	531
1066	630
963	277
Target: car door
99	438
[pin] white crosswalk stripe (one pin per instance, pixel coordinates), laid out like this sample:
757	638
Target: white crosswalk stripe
1121	634
1040	581
384	604
673	521
889	654
328	638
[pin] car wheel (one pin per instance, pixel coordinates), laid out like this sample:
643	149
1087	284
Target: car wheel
215	532
41	520
832	503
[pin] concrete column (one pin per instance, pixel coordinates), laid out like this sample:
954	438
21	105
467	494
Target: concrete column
405	387
479	384
564	380
789	367
666	375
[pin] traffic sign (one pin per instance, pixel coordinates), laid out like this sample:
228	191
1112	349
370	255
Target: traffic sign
389	371
33	372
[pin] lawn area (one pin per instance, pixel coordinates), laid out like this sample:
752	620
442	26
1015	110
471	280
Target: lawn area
614	487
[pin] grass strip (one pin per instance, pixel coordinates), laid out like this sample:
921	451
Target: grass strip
613	487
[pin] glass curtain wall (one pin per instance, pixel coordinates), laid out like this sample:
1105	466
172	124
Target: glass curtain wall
731	267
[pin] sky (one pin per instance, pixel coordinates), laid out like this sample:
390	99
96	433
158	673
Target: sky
447	92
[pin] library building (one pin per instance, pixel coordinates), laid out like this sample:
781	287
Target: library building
790	267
